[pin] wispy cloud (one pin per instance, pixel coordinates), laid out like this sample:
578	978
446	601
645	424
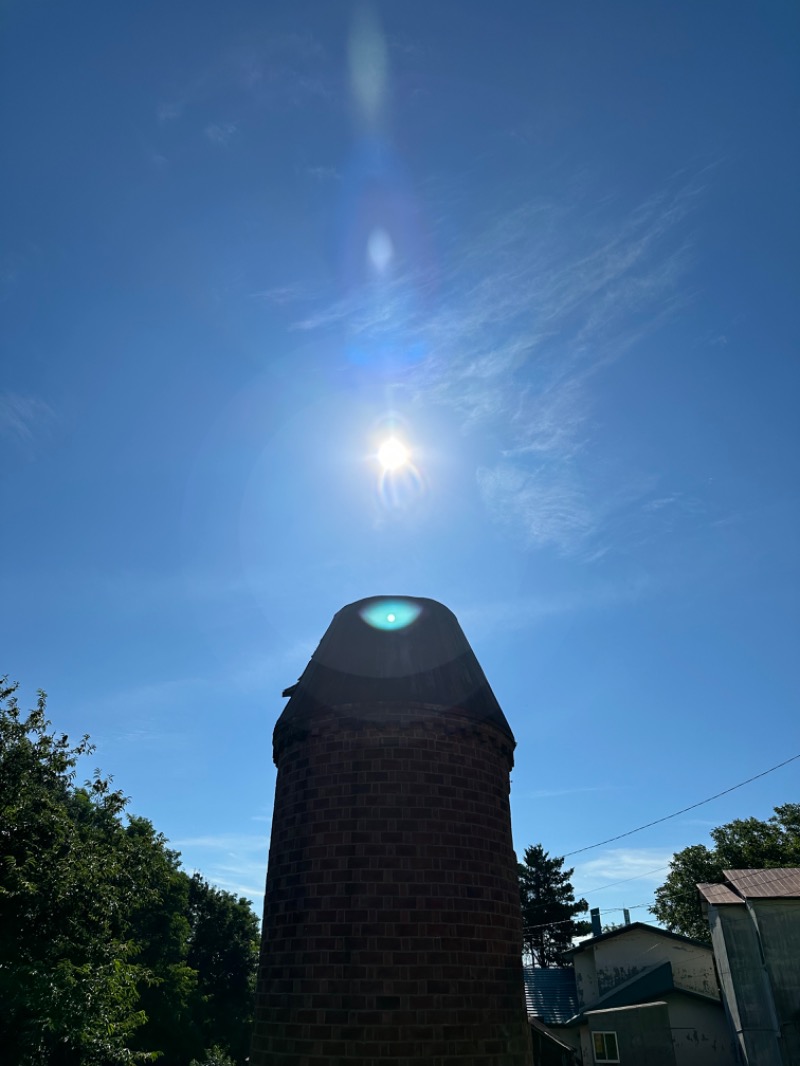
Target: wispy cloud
235	862
280	295
549	793
322	173
220	132
230	844
126	704
169	112
526	611
547	507
618	864
274	71
24	417
262	670
525	315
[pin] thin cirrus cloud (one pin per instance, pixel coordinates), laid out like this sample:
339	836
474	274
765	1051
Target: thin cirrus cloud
617	864
24	417
550	793
235	862
323	173
482	620
526	314
265	670
277	71
221	132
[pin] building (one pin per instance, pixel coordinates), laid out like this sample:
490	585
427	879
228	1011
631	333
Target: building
552	1000
754	917
392	929
549	1049
642	995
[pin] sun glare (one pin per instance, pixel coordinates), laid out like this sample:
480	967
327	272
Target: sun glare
390	615
392	454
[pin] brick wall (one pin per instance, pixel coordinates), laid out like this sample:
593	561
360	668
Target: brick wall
392	926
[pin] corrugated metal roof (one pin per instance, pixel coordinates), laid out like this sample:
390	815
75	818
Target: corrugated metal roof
777	883
551	994
718	894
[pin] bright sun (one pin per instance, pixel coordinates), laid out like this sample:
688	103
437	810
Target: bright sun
392	454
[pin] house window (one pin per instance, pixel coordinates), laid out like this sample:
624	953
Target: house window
605	1047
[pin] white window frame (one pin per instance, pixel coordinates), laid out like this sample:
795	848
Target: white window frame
604	1033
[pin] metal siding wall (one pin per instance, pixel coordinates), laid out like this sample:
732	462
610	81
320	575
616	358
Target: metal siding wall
643	1033
700	1032
778	923
745	984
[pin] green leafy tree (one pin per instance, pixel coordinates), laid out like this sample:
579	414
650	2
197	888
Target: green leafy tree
744	844
549	907
159	926
215	1056
223	949
611	927
69	974
109	952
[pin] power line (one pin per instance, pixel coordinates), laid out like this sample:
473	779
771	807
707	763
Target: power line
589	891
611	884
606	910
692	807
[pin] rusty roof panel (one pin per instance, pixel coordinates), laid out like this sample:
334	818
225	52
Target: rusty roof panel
717	894
778	883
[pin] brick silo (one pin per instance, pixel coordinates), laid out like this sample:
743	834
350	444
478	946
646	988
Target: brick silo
392	931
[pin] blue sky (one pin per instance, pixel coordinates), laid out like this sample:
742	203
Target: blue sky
553	247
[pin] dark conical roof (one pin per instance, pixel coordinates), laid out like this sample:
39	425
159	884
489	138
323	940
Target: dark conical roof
394	650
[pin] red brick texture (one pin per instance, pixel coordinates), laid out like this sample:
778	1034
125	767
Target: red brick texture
392	929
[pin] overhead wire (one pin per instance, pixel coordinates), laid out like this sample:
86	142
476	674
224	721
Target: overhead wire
611	884
639	829
624	880
683	810
606	910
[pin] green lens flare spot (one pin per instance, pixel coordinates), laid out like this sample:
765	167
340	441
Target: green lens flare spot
390	614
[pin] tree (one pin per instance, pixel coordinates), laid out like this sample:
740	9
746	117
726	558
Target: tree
611	927
215	1056
223	949
549	907
159	926
109	952
744	844
68	970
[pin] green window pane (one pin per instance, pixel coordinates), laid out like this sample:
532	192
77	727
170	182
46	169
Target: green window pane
611	1047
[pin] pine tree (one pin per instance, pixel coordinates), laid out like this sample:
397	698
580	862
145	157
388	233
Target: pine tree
549	907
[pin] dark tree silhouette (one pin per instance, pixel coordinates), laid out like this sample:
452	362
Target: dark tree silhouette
549	907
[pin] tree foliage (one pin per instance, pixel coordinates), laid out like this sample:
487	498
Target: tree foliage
744	844
105	951
549	907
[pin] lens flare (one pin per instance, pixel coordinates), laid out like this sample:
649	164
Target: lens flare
391	614
380	249
368	65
